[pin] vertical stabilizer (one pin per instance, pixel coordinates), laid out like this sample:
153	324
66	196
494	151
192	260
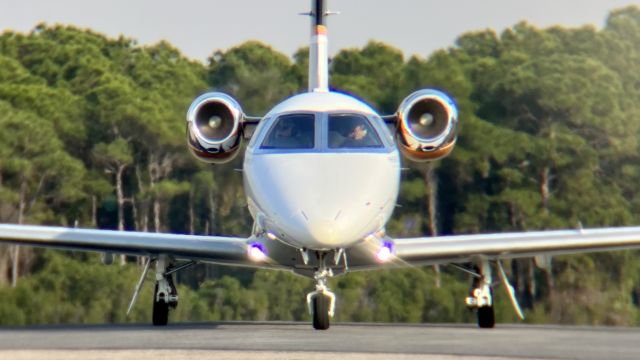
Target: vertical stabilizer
319	49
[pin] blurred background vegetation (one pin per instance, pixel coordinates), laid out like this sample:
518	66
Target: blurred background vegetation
92	135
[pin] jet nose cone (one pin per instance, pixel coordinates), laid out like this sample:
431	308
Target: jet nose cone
317	232
325	201
325	231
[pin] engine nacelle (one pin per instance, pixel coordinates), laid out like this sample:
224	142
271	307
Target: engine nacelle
427	125
214	127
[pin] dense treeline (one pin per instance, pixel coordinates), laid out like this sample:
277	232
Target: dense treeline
92	135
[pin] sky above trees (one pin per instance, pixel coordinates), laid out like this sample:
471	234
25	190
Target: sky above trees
197	27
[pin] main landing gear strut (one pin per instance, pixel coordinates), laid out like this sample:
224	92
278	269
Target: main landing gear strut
165	294
481	298
322	301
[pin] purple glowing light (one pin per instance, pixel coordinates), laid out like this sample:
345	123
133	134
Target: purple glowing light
386	252
257	252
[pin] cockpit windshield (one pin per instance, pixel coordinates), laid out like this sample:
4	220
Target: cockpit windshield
295	131
352	131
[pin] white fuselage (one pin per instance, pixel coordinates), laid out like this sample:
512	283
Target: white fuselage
321	198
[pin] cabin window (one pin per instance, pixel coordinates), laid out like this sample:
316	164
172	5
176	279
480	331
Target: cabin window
349	131
294	131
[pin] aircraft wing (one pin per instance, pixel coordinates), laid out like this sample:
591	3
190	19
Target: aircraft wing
463	248
219	249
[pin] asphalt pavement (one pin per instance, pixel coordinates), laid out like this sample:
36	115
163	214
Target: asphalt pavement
281	340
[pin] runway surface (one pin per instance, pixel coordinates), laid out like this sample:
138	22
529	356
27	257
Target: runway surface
276	340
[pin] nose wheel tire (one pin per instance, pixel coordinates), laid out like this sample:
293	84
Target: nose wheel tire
160	311
486	317
321	312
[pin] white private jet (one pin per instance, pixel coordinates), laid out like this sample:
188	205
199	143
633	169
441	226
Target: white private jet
321	174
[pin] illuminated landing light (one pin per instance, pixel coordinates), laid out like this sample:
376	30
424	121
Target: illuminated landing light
386	252
271	236
257	252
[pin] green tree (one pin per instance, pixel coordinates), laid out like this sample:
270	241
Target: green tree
255	74
352	70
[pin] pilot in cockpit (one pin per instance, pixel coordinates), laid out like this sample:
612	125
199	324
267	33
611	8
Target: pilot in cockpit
284	130
351	131
284	134
291	132
358	135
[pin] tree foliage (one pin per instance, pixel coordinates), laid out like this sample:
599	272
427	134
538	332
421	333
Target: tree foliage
91	136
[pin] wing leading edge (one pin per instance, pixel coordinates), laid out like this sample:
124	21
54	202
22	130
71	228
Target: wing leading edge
463	248
408	251
219	249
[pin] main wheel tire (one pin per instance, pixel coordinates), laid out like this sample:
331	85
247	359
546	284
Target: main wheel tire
321	312
160	311
486	317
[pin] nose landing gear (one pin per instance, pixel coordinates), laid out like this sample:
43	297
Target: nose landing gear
321	302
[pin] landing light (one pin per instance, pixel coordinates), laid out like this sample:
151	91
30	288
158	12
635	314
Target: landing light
257	252
386	252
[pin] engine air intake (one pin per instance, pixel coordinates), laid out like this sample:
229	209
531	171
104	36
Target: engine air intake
428	121
214	122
